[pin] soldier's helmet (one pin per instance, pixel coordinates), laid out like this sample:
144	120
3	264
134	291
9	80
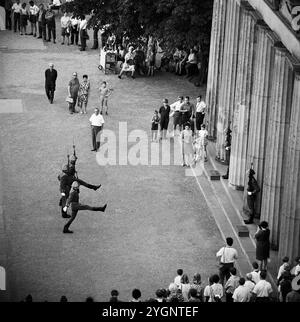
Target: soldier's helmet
73	159
75	185
65	168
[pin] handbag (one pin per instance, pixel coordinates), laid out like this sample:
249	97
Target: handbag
69	100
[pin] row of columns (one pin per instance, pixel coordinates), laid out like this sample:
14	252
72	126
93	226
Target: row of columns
257	95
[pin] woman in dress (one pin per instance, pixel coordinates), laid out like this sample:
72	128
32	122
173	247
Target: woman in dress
83	94
65	23
201	144
185	287
187	146
262	237
128	65
197	285
24	19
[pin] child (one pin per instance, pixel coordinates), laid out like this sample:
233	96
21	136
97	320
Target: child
83	94
154	126
201	144
104	94
24	17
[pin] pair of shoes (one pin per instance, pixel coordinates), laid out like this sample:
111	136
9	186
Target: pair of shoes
66	216
225	177
119	76
106	113
94	150
39	37
67	231
30	34
132	77
81	49
51	101
101	112
54	42
248	222
34	35
48	40
62	43
21	34
71	113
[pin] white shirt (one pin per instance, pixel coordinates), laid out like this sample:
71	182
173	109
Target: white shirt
255	276
280	271
241	294
74	21
56	2
297	269
2	279
34	10
17	7
215	289
83	24
176	106
262	289
177	280
65	21
250	285
228	255
200	107
97	120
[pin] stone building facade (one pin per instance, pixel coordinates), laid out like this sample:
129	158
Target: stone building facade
254	89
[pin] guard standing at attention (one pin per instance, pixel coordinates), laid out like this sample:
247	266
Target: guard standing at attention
73	202
252	191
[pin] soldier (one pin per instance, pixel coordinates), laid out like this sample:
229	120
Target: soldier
252	191
227	149
66	178
73	201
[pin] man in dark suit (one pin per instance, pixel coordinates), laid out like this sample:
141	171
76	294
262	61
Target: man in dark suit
50	80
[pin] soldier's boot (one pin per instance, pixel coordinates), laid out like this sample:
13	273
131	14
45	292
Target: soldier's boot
67	230
100	208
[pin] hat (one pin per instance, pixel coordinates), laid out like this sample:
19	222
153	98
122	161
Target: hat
51	64
165	101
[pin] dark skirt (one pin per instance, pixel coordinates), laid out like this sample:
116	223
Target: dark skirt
24	19
154	127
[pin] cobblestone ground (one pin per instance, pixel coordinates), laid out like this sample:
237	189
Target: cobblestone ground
156	220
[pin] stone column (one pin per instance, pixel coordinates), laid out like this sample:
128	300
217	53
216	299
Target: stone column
242	97
290	221
260	101
215	65
276	145
228	76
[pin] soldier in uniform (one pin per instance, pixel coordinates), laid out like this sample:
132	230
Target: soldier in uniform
73	201
66	178
252	191
227	150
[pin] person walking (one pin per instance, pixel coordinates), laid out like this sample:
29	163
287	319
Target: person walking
42	23
164	112
73	201
73	88
262	237
16	9
187	146
228	255
33	14
97	122
105	92
83	94
50	82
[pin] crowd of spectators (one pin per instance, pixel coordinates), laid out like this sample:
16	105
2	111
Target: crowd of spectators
253	287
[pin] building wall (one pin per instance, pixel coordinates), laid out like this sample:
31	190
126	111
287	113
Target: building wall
260	62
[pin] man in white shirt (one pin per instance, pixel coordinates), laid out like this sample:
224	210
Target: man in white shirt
97	122
200	112
83	32
241	293
263	289
255	273
16	8
175	113
249	283
228	255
